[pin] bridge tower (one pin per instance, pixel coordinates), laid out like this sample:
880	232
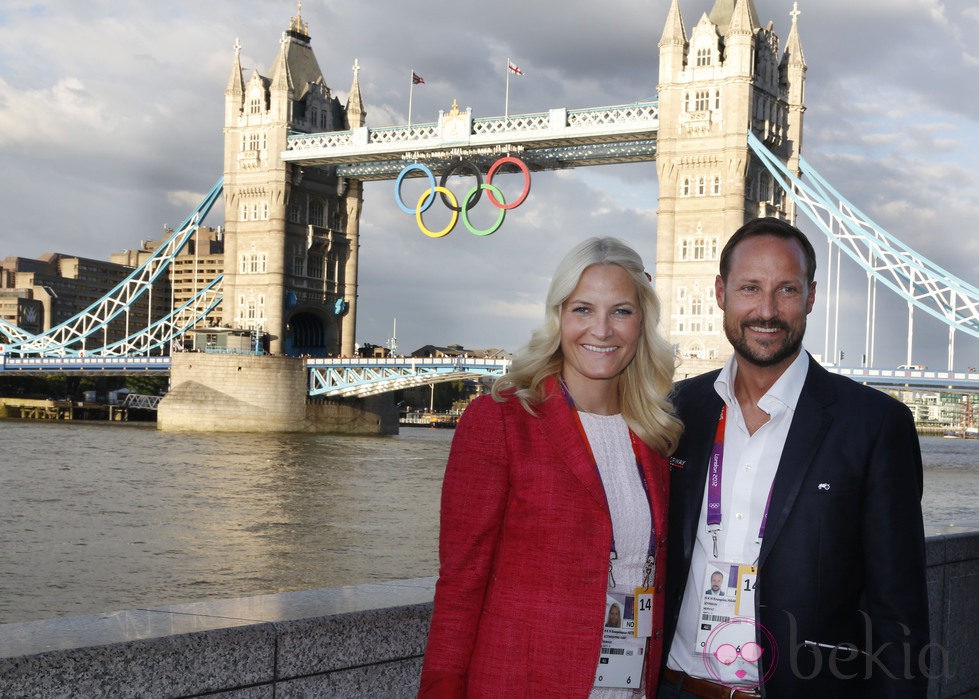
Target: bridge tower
728	77
291	240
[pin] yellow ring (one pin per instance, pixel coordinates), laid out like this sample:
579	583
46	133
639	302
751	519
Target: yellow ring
452	220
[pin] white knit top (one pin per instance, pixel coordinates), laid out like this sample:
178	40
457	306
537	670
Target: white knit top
608	436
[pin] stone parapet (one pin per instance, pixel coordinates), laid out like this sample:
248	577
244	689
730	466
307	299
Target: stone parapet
364	640
358	641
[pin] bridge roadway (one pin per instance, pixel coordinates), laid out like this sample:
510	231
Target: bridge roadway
359	377
549	140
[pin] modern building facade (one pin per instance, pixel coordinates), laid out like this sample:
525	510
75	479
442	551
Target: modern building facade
728	77
40	294
199	262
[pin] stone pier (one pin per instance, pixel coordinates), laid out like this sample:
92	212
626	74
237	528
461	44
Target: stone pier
261	393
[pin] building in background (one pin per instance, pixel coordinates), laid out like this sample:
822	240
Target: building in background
291	232
727	78
40	294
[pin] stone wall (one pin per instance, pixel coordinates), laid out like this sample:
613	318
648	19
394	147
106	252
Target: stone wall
359	641
261	393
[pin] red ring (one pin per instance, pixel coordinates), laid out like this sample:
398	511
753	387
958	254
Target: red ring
526	181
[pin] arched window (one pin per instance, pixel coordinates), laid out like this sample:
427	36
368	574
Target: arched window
703	101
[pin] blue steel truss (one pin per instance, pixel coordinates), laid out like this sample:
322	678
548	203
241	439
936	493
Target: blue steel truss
71	338
346	378
911	275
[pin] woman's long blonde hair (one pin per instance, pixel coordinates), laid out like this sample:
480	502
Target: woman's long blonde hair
647	381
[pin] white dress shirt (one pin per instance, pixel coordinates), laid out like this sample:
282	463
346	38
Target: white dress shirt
749	466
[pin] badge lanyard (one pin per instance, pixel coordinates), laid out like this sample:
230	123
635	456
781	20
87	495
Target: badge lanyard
714	476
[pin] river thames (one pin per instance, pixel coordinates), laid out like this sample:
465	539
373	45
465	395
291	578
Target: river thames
102	517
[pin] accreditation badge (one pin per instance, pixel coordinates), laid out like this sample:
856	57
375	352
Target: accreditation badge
623	654
728	592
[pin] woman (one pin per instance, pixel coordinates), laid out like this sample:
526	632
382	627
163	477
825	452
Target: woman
542	486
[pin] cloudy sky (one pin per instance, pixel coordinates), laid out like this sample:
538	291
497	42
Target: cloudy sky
111	115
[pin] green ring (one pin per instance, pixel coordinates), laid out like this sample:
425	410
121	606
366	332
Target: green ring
465	209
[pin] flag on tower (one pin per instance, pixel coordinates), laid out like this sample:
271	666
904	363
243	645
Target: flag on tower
416	79
514	68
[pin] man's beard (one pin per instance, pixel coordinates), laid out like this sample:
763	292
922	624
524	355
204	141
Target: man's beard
789	347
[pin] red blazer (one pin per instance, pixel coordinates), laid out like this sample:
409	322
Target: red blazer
524	546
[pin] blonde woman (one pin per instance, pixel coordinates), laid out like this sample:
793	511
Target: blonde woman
554	500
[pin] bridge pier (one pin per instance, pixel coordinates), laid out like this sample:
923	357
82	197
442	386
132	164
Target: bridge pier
261	393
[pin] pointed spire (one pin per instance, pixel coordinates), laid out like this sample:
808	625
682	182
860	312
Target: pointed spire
742	21
236	83
281	77
673	32
793	55
356	116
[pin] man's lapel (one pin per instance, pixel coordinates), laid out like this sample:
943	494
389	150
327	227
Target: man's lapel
809	426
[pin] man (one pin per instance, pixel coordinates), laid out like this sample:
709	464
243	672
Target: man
716	580
806	490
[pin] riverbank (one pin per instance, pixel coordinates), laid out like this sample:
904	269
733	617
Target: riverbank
67	410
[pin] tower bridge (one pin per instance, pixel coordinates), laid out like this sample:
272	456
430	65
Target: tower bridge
725	133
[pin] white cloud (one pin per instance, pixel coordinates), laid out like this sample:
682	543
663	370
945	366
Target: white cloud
62	117
117	109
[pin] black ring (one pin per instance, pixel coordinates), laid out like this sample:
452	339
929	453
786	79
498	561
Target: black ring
471	167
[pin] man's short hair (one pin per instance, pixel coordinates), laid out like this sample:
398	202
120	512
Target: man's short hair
769	226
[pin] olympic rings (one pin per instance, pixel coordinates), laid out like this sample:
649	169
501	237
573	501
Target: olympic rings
526	180
471	167
419	209
477	190
397	188
472	197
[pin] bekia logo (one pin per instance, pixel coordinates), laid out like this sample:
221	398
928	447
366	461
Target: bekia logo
730	652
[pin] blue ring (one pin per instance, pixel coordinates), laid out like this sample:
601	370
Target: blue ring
397	188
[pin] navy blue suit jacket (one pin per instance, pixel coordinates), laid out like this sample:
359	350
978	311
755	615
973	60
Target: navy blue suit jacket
843	558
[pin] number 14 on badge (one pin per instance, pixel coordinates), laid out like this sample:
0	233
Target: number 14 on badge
744	604
643	627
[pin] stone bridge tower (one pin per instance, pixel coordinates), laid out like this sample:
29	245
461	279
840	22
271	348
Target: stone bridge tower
291	241
729	76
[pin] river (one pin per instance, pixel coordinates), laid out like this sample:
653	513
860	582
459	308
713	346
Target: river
101	517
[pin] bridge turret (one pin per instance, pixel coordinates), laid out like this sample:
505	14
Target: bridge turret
356	114
234	100
287	246
739	39
792	77
724	82
672	44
